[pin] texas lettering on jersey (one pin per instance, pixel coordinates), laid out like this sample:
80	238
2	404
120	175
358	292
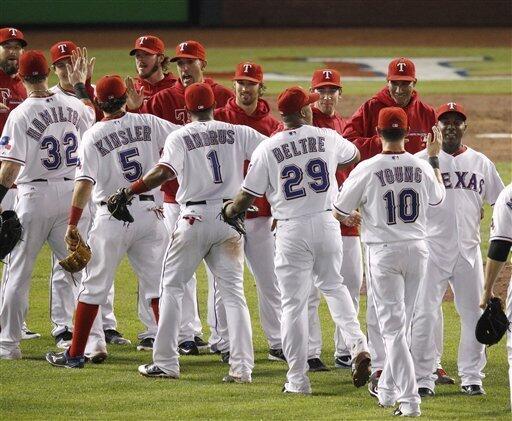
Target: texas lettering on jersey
463	180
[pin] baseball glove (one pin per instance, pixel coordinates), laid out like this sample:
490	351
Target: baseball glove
493	323
78	259
117	205
236	221
10	232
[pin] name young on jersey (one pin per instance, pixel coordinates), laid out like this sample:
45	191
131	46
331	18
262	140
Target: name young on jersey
118	138
210	137
463	180
50	116
400	174
300	147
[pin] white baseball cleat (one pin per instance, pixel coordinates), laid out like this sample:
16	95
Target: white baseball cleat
242	378
10	354
152	370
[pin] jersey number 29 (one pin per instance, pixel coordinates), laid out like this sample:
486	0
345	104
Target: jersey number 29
316	169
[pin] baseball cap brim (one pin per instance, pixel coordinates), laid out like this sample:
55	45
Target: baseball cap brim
405	78
62	58
312	97
452	111
320	84
176	58
21	41
147	50
250	79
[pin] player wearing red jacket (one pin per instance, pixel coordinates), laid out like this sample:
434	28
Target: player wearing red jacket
361	130
169	104
248	108
400	92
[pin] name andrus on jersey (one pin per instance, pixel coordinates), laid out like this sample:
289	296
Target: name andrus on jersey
50	116
210	137
118	138
307	145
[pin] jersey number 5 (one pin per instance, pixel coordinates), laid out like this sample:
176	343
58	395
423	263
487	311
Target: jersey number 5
293	175
132	170
408	206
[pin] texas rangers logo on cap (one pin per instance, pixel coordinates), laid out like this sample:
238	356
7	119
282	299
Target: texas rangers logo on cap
327	74
142	39
183	46
62	48
13	31
247	67
452	105
401	66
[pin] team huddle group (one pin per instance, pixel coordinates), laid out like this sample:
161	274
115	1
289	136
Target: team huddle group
395	180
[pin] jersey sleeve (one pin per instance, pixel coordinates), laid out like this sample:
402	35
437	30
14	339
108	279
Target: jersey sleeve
494	184
435	189
13	143
88	117
174	154
351	192
257	179
161	129
88	160
501	223
345	151
252	139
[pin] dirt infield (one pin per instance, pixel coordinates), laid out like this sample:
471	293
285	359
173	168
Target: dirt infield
487	113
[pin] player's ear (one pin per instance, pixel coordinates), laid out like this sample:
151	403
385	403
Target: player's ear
203	64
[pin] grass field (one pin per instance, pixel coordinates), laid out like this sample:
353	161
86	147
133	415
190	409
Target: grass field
31	389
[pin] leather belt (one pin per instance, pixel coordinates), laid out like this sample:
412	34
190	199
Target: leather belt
201	202
142	198
44	180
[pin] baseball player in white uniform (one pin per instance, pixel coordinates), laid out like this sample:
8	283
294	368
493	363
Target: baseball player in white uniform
470	179
41	138
393	191
296	170
500	243
121	147
207	157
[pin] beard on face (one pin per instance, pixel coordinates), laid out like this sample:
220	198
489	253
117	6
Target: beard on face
150	73
8	67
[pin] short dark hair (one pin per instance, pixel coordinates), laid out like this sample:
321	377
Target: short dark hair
112	105
393	135
35	79
202	113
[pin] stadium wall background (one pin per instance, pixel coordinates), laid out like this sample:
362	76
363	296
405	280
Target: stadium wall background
256	13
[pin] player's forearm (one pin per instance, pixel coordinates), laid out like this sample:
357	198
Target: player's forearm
492	269
154	178
241	203
8	173
81	196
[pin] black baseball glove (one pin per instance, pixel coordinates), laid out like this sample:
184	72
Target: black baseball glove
236	221
493	323
117	205
10	232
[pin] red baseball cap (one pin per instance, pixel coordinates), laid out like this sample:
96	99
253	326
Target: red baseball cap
150	44
62	50
450	107
392	118
293	99
249	71
33	63
199	96
9	34
110	87
326	77
402	69
190	49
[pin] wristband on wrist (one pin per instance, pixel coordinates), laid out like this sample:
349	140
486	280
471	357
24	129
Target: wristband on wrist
3	192
74	215
434	161
138	187
80	90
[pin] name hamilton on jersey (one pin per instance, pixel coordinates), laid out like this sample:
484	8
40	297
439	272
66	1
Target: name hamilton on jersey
290	149
119	138
50	116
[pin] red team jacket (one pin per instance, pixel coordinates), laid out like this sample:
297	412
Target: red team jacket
152	89
260	120
337	123
169	104
12	94
361	127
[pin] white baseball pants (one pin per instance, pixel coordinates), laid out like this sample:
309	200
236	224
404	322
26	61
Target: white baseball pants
199	235
310	248
467	283
394	272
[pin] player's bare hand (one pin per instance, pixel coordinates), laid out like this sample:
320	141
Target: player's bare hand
72	237
434	142
77	70
486	296
134	98
353	220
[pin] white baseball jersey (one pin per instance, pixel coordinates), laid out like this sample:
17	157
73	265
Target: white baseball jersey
393	192
501	225
296	169
43	134
219	146
120	151
470	179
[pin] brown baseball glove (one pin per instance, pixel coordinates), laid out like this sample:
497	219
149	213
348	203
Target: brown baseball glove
78	259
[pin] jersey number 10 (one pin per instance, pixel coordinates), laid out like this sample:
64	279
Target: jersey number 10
408	206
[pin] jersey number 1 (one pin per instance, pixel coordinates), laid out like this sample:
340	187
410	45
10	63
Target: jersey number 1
214	163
